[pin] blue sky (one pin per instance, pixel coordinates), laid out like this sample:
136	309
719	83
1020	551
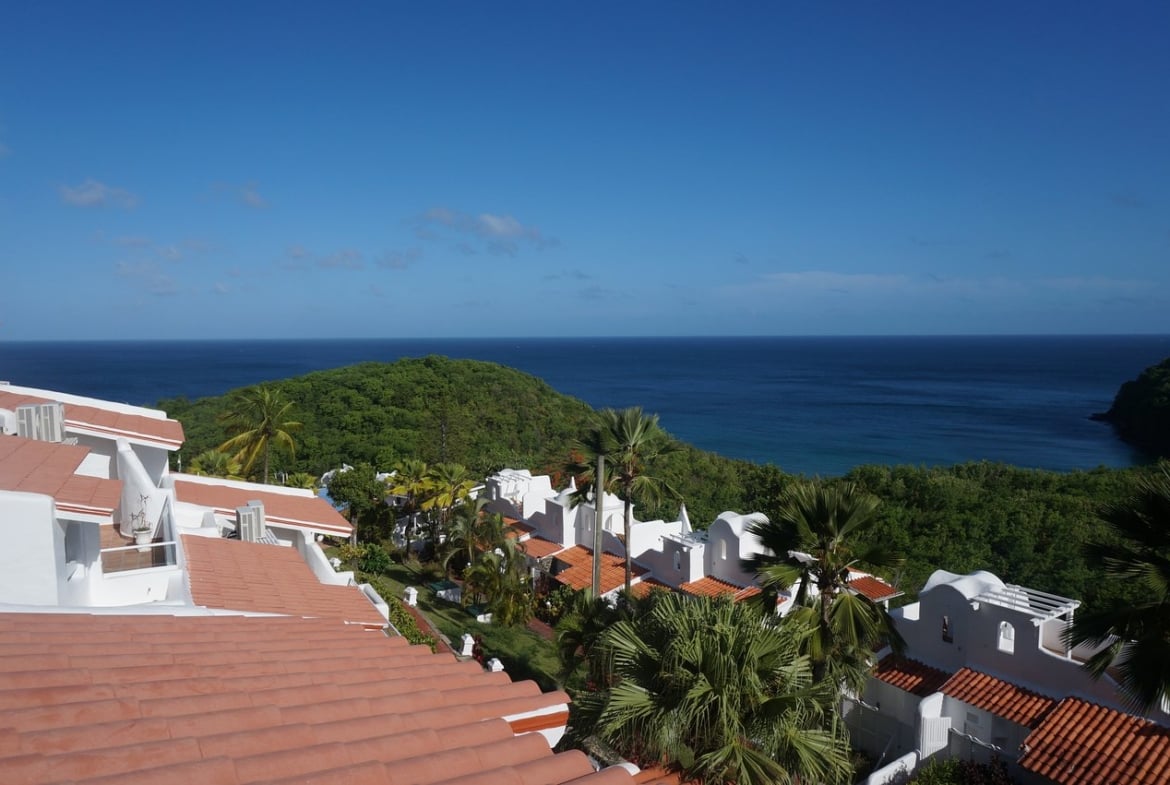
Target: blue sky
217	170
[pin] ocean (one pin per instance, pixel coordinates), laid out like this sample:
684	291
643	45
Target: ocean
810	405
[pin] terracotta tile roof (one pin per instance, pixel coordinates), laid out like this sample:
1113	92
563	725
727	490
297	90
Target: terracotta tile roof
1001	698
45	467
311	513
709	586
258	578
647	585
869	586
515	529
99	700
1081	743
910	675
162	432
578	573
538	548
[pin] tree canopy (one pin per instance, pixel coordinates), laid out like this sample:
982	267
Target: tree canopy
1141	410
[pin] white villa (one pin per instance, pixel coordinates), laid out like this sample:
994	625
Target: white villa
558	538
986	675
161	627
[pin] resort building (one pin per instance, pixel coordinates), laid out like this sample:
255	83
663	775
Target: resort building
986	675
161	627
557	535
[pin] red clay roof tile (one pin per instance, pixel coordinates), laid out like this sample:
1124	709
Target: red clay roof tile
578	574
243	730
1081	743
871	587
910	675
1001	698
710	586
160	431
48	468
311	513
248	576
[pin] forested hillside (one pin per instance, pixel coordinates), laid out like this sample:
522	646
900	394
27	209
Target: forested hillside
1141	410
1027	526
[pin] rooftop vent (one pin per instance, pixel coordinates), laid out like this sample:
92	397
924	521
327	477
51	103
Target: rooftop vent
43	421
52	417
250	522
28	421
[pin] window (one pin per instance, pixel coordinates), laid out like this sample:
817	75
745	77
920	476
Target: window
947	633
677	560
723	549
1007	638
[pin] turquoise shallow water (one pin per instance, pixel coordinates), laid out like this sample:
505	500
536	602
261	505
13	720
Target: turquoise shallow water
810	405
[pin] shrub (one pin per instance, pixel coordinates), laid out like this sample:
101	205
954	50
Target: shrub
400	617
374	559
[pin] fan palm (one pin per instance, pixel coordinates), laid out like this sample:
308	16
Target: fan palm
705	687
1136	633
812	542
256	419
631	442
585	618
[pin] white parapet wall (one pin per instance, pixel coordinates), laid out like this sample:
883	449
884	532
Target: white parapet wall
895	772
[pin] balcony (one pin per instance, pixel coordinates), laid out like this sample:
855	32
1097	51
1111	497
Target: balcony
121	554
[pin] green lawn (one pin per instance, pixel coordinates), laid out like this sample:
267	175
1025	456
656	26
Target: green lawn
524	653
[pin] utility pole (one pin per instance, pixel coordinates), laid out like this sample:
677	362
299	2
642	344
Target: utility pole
599	508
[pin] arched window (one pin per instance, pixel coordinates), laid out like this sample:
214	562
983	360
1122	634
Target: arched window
677	560
723	549
1007	638
947	633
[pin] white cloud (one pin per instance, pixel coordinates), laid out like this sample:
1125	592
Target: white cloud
809	286
251	197
221	288
247	194
501	233
91	193
147	275
399	260
298	257
347	259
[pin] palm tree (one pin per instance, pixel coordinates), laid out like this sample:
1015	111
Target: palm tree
473	531
585	618
705	687
257	418
411	480
450	485
812	542
631	441
497	578
213	463
1136	632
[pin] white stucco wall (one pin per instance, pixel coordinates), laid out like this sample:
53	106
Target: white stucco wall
32	565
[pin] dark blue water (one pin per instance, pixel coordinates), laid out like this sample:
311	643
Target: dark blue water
810	405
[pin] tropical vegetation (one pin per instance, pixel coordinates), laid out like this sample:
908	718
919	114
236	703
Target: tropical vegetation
812	543
1141	410
1135	634
258	419
704	687
1025	524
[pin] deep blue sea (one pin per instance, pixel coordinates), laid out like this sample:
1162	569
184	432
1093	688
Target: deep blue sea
808	405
